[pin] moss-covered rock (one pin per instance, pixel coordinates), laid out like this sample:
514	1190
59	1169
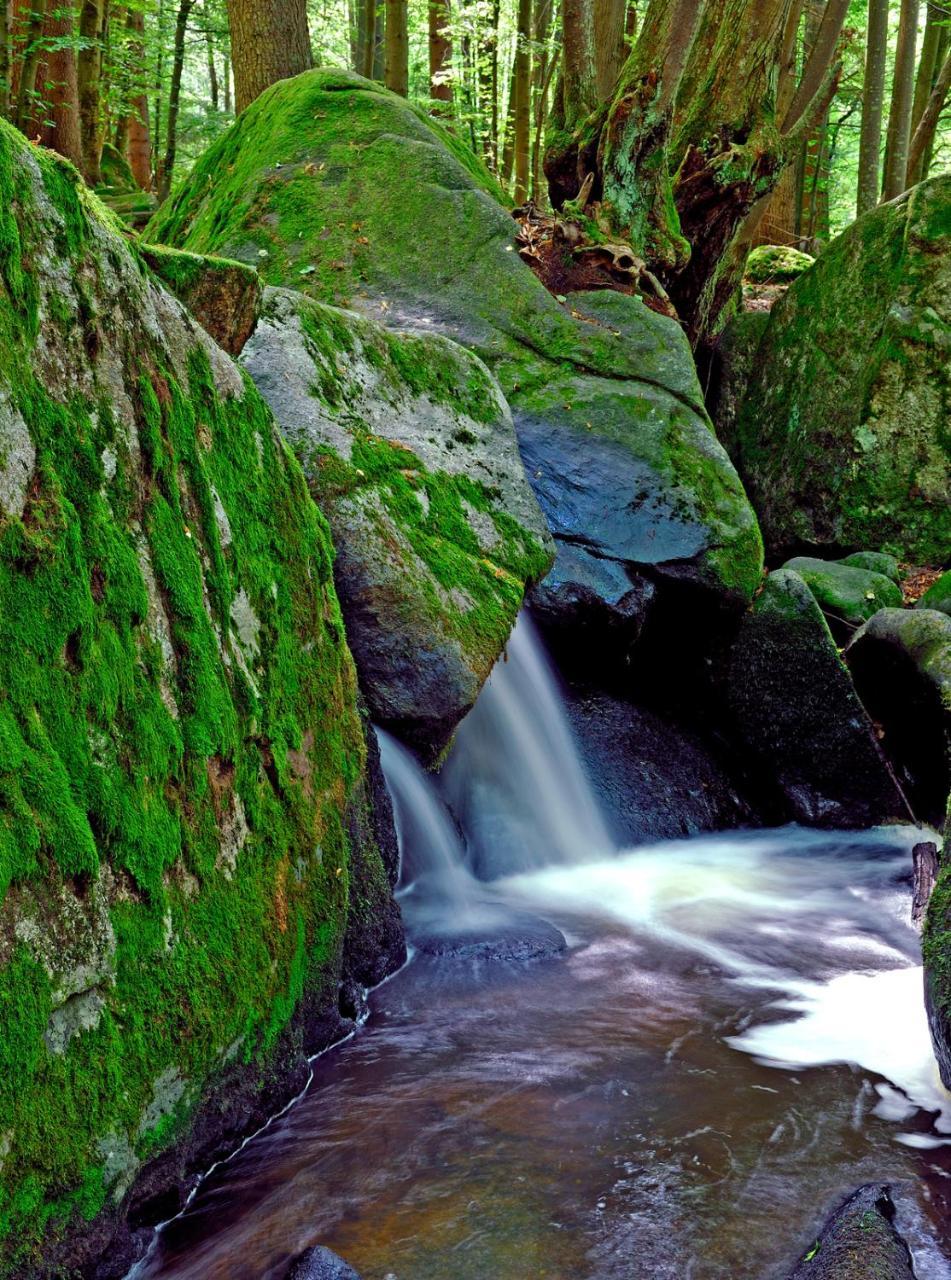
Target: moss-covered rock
799	715
734	360
224	297
877	562
120	191
410	451
776	264
335	187
901	662
189	857
938	595
846	592
844	437
859	1242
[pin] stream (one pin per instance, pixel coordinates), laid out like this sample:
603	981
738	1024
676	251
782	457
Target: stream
732	1040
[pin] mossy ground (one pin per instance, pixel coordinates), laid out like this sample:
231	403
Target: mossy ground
110	791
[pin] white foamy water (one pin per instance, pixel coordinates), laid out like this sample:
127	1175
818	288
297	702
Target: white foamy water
514	777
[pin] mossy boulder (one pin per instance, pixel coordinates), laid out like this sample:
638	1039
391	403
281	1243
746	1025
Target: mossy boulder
843	439
859	1242
846	592
190	857
797	711
901	662
224	297
776	264
410	451
335	187
734	359
877	562
938	595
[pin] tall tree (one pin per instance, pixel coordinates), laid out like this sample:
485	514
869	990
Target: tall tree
873	105
523	100
132	130
921	144
440	51
269	42
903	90
167	167
60	128
93	15
396	65
929	68
609	23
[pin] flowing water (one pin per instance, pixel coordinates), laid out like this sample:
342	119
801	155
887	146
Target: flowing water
733	1040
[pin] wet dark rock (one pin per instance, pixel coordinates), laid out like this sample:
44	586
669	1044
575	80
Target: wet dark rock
321	1263
859	1242
901	663
656	780
588	604
515	940
799	714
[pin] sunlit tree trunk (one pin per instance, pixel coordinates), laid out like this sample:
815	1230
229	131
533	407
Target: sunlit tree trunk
929	67
92	17
903	89
61	125
31	58
269	42
609	18
873	104
440	51
396	67
523	100
923	141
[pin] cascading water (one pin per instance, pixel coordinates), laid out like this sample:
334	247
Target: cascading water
514	778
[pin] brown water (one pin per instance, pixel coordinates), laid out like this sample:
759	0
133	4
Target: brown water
594	1116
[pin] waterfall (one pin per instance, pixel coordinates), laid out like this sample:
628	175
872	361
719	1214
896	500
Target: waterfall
432	854
514	778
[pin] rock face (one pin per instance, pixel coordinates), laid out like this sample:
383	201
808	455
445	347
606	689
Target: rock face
606	402
190	859
410	452
843	439
224	297
859	1242
938	596
800	716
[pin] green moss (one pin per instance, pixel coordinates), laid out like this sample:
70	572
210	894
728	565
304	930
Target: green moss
123	765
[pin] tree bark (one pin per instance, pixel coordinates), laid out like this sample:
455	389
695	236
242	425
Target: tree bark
929	66
174	99
873	103
30	59
88	72
269	42
6	56
610	19
213	92
923	140
903	88
523	100
61	127
579	79
440	51
396	68
132	131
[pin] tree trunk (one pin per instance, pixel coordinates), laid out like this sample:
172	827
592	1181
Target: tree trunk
133	132
873	102
174	98
579	77
923	141
542	67
30	59
269	42
61	127
610	20
88	71
212	69
523	100
6	56
929	65
508	146
226	77
440	51
396	68
944	46
903	88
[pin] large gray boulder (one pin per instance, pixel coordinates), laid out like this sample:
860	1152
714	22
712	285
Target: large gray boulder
410	451
351	194
800	717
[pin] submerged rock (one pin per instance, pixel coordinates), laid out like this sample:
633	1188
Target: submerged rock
512	939
859	1242
800	717
847	592
354	196
843	437
410	451
190	865
321	1263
